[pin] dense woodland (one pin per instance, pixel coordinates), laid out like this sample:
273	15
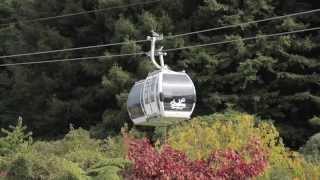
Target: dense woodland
274	78
77	113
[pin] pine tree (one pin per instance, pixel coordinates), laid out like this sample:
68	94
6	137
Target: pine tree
275	78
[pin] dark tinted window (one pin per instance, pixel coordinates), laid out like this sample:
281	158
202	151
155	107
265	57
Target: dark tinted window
152	93
178	91
133	103
149	96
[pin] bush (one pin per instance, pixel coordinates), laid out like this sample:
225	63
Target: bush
72	158
232	130
15	139
114	147
34	165
63	169
311	150
221	131
109	169
84	156
21	168
315	121
172	164
79	139
231	145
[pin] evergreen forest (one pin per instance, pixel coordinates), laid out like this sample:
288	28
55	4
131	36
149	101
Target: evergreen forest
257	99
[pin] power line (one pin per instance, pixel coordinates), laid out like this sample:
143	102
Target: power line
166	37
243	24
244	39
72	49
5	28
81	13
168	50
71	59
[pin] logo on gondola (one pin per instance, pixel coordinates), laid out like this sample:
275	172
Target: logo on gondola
180	105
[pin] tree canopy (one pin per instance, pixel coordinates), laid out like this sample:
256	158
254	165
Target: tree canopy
274	78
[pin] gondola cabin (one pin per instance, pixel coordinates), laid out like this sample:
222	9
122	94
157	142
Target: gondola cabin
164	97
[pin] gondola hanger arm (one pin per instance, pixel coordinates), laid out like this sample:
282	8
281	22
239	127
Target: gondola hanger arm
152	53
161	54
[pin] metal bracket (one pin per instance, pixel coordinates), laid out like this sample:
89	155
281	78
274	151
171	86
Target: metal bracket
160	53
152	53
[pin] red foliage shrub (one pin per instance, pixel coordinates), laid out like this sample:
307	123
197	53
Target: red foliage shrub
3	174
172	164
230	164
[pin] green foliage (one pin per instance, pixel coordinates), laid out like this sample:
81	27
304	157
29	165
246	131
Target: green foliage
116	80
276	78
78	139
68	170
109	169
106	173
44	166
315	121
15	139
79	157
221	131
75	157
124	29
20	169
311	150
232	130
114	147
249	69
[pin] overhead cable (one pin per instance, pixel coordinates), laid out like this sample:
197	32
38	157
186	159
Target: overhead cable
244	39
168	50
166	37
72	49
243	24
81	13
72	59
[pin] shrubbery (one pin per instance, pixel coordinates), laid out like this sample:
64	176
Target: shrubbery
173	164
75	157
311	150
229	146
233	130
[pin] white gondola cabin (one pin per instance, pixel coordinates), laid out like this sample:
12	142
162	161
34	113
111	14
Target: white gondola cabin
164	97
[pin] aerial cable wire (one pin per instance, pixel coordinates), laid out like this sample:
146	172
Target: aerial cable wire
81	13
73	59
244	39
243	24
5	28
168	50
73	49
166	37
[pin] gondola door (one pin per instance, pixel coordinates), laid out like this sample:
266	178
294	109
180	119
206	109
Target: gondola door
153	96
150	100
179	95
